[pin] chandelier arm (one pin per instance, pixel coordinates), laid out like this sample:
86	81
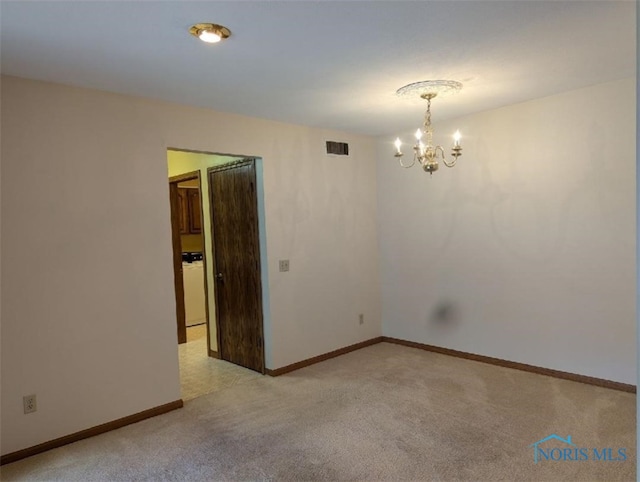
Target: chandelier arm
455	154
408	166
451	163
443	156
441	151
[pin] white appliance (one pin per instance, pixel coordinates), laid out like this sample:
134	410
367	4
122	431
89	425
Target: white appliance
194	300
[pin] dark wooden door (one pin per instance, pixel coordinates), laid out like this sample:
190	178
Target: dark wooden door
234	214
177	260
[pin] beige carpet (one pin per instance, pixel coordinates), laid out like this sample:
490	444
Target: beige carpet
385	412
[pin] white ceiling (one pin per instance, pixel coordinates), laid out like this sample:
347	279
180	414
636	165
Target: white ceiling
323	63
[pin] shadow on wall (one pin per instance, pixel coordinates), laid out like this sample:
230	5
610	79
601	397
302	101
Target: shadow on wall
445	315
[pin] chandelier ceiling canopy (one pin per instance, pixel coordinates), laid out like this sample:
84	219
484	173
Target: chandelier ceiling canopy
430	88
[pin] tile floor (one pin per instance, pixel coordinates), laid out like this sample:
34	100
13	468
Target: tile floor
200	374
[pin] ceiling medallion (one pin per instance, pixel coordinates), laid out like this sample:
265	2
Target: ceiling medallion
430	88
428	154
209	32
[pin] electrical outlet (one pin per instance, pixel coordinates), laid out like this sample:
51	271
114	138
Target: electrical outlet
361	319
284	265
29	403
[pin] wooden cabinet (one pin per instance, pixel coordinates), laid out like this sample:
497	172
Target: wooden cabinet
183	199
190	216
195	218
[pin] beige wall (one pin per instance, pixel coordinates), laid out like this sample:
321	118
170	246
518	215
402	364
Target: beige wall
85	317
529	242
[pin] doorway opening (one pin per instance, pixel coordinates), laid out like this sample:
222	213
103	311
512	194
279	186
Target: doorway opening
218	277
189	256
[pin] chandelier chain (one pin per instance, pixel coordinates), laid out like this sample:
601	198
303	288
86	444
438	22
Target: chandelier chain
427	123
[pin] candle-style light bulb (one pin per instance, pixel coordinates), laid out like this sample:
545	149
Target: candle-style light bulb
456	138
418	134
397	143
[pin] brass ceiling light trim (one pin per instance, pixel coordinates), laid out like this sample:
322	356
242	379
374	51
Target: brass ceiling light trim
209	32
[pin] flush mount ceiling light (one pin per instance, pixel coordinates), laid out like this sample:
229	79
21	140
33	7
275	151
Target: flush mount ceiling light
209	32
428	154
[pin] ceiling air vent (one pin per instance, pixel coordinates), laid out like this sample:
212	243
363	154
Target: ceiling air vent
337	148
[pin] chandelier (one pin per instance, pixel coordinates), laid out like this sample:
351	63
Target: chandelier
427	154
